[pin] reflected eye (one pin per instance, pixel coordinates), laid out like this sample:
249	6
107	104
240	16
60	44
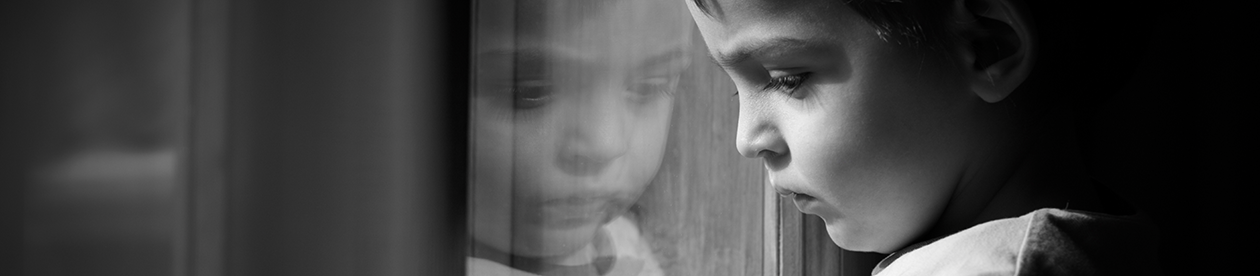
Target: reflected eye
531	94
786	84
647	88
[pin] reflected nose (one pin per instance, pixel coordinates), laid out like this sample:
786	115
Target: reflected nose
596	136
757	135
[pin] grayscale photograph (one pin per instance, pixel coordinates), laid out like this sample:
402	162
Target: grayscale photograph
622	137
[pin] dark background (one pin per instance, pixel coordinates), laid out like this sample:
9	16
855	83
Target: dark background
1170	140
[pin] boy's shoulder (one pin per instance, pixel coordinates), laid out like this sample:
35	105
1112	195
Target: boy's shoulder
1043	242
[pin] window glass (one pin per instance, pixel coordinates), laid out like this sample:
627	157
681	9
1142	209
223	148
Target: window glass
602	147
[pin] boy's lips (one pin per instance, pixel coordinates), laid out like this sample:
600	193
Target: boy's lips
784	187
802	200
805	203
784	192
576	211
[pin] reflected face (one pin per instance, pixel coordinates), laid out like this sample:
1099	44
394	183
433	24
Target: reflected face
868	135
571	119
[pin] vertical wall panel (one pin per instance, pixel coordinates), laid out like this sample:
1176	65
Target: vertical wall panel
340	147
206	169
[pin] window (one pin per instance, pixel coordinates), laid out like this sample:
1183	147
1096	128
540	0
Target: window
326	137
602	138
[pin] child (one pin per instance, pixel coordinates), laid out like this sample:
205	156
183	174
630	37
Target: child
571	116
920	129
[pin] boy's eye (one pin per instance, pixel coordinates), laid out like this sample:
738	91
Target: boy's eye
531	94
651	87
786	84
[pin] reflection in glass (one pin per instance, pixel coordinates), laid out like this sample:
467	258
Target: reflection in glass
571	113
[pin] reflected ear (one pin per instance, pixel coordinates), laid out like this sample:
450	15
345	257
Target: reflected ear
998	43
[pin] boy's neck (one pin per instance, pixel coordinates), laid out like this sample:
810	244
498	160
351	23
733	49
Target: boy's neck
1047	171
595	257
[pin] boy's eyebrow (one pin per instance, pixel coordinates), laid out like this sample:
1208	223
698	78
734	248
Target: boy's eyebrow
760	48
529	55
528	62
532	55
519	54
669	56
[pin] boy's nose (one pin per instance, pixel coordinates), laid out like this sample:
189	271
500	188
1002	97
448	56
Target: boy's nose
596	136
756	134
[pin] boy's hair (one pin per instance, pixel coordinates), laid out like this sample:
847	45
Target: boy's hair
1086	51
894	20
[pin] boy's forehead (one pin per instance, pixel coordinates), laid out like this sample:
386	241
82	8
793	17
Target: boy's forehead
721	9
592	19
594	11
603	30
721	17
598	24
735	28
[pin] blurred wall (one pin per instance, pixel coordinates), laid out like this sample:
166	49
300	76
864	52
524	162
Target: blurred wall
342	143
96	88
232	137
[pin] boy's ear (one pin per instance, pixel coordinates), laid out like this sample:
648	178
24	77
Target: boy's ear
998	43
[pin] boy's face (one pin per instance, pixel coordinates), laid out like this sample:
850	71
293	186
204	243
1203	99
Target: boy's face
571	118
871	136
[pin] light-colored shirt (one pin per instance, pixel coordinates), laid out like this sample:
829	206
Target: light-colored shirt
1043	242
632	256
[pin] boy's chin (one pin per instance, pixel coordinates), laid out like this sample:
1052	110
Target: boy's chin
553	242
852	241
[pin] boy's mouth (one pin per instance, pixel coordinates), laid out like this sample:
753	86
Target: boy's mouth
805	203
570	212
784	192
